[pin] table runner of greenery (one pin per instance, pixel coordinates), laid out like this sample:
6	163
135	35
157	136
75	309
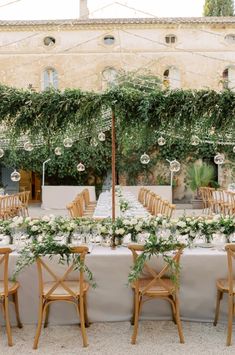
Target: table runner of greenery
161	236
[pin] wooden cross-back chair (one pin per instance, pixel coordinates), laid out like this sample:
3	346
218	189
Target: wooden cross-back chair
24	199
227	286
157	285
88	203
8	289
61	289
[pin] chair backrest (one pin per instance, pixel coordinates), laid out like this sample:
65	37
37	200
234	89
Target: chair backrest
230	249
157	276
170	209
140	194
86	197
60	281
4	259
157	205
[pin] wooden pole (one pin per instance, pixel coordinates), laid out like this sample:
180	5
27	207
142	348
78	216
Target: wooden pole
113	165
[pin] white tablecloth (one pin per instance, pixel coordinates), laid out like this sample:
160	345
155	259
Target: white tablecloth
112	299
104	206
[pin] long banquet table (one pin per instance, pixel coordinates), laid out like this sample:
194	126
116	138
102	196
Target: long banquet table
112	299
104	206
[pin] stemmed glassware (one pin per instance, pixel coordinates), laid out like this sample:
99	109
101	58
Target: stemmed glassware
20	237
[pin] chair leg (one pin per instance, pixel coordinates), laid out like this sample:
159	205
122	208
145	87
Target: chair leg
8	325
82	321
173	309
133	315
87	323
16	303
39	327
218	299
178	320
230	319
138	301
47	312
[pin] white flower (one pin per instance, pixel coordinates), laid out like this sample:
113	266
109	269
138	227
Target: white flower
34	228
103	230
126	222
138	228
133	221
45	218
181	224
120	231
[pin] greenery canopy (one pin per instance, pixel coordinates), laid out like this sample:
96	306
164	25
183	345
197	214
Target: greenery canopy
142	116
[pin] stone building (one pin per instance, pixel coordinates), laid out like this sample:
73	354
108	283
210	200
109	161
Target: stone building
87	53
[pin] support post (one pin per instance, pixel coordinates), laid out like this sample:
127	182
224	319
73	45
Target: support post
113	165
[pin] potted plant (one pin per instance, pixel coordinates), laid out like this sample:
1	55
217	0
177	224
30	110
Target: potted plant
199	175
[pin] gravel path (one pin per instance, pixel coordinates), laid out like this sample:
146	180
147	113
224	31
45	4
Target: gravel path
155	337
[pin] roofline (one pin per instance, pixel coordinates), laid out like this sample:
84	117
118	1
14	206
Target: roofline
103	21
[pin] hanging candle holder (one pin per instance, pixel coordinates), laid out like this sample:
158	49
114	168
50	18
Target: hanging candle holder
161	141
144	159
28	146
1	152
80	167
68	142
93	142
174	166
101	136
195	140
58	151
15	176
219	159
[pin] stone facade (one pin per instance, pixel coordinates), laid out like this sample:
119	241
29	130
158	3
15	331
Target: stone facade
202	49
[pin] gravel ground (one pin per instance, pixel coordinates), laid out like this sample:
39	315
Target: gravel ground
155	337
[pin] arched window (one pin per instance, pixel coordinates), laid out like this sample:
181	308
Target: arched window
171	78
109	40
50	78
229	78
109	77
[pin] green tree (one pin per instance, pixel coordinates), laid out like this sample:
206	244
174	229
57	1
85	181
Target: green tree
218	8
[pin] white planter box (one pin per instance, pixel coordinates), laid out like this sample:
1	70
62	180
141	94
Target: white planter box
57	197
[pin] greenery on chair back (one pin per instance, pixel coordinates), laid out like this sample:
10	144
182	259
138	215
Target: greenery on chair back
199	175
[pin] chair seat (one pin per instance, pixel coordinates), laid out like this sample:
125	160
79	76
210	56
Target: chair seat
157	287
60	292
12	287
222	285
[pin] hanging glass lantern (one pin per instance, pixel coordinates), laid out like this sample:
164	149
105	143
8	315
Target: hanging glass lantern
1	152
234	149
58	151
80	167
68	142
174	166
195	140
93	142
161	141
219	159
15	176
144	159
28	146
101	136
